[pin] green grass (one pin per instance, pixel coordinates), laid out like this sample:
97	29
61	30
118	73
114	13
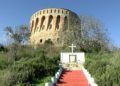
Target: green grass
104	67
40	82
43	81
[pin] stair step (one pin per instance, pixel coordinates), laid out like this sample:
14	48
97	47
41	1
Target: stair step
72	78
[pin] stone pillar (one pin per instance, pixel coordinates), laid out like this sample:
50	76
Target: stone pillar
39	22
61	22
46	22
54	25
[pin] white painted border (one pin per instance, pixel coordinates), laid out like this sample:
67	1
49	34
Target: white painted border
89	78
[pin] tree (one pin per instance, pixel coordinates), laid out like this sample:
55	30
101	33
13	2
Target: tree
2	48
19	34
94	34
72	33
88	33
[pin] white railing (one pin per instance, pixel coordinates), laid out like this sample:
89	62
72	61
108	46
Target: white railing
89	77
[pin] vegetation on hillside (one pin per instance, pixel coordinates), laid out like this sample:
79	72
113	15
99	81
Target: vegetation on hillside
2	48
90	35
32	65
22	64
104	67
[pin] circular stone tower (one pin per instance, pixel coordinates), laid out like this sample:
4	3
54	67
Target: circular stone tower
46	24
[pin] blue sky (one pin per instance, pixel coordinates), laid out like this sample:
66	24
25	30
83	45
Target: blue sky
17	12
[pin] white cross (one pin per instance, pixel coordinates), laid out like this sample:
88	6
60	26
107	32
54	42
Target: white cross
72	46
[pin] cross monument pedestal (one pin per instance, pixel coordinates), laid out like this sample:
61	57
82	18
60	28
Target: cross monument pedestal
72	60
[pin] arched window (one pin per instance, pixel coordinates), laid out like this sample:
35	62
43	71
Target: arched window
50	22
58	40
32	26
51	11
62	11
65	23
55	11
40	40
36	23
58	22
42	26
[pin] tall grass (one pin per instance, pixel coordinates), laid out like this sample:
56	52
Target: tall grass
31	65
104	67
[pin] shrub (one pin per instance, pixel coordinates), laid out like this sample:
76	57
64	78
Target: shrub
28	70
104	67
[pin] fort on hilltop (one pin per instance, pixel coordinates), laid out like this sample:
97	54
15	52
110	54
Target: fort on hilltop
46	24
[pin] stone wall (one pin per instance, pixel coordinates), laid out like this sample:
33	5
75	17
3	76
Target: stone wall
46	24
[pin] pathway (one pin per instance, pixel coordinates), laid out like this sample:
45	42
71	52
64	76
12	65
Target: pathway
72	78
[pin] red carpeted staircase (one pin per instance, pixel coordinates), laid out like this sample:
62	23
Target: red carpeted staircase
72	78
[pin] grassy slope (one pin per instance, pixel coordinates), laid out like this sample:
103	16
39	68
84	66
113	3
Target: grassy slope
104	67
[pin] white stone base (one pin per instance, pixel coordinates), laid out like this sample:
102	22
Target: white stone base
72	66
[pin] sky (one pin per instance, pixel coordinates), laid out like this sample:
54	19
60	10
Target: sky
17	12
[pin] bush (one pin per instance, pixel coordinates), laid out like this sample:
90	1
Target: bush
4	61
2	48
29	69
104	67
